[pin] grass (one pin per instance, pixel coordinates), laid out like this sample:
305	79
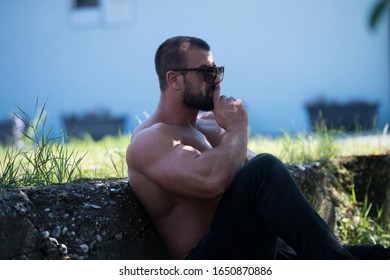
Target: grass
306	147
105	158
321	145
355	224
46	159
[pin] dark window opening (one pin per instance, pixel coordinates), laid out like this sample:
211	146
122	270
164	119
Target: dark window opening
86	3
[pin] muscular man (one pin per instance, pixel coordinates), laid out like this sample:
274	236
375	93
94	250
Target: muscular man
193	176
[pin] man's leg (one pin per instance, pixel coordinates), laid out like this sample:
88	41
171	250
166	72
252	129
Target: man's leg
263	204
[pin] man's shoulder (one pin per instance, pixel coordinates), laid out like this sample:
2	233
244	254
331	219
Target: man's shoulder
156	137
149	145
153	131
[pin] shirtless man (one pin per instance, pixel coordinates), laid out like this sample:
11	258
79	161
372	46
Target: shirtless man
173	168
191	172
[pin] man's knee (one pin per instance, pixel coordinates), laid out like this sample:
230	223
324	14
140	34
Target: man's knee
262	166
266	160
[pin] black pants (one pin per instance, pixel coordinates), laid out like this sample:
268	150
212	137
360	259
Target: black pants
262	206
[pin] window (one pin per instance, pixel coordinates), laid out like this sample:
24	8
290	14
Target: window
86	3
94	13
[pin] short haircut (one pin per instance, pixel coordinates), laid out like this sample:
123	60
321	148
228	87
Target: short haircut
172	54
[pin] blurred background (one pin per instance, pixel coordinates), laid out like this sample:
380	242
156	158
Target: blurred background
94	59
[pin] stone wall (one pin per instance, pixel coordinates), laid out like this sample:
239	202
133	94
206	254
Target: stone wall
91	219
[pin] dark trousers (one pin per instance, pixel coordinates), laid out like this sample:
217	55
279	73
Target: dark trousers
262	206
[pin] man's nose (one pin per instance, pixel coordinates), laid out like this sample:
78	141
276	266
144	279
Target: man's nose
218	79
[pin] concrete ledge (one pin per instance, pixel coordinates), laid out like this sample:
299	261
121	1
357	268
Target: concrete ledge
89	219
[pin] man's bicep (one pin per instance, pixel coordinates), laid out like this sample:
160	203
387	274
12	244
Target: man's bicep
167	162
176	171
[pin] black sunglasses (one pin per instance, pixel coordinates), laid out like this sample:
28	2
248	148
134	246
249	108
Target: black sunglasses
210	73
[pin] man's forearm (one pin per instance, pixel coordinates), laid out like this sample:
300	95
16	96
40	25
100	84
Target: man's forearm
233	149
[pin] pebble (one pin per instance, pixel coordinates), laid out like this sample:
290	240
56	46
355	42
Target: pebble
45	234
99	238
47	210
119	236
113	191
90	205
65	230
63	249
53	241
301	167
56	231
66	216
20	209
84	248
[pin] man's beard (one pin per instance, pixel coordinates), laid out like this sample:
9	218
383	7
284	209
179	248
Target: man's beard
200	101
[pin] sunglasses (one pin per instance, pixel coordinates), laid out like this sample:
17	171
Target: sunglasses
210	73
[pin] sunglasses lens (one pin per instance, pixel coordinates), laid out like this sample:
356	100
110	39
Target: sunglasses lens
211	74
221	72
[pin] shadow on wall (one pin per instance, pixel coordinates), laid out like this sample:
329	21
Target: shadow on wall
93	124
353	116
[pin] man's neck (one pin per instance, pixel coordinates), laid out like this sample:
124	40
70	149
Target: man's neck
176	114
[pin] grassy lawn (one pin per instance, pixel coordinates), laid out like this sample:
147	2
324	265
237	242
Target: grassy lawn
306	147
106	158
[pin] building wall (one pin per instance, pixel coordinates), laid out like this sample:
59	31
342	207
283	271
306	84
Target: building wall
277	55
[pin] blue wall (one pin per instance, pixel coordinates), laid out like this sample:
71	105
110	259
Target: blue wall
277	55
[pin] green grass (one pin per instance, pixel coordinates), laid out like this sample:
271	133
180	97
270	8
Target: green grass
356	225
43	158
306	147
105	158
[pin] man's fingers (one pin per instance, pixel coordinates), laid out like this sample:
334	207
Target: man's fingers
223	99
231	99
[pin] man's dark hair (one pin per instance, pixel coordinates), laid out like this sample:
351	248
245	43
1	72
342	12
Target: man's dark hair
172	54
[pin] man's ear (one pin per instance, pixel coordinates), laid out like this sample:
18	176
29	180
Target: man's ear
174	79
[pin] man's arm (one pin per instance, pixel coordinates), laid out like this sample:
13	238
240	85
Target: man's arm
207	124
182	169
186	171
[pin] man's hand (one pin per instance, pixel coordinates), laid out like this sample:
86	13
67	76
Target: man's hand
207	124
229	112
